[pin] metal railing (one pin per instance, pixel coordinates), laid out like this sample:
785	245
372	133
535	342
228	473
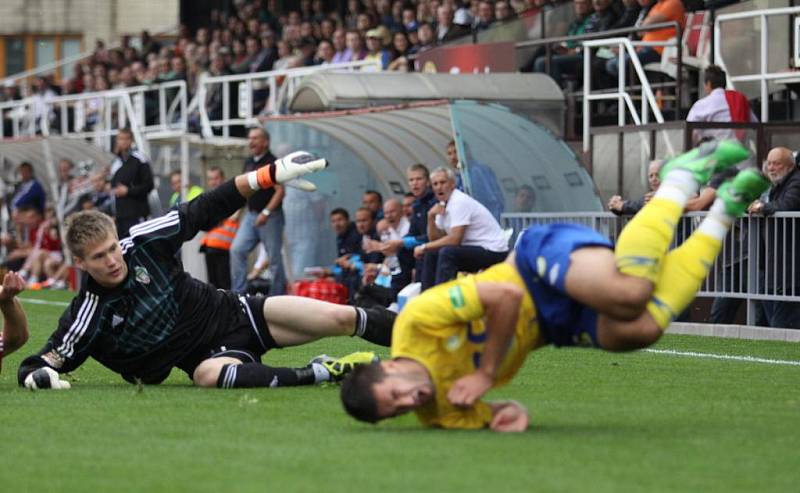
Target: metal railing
260	93
763	76
159	108
759	261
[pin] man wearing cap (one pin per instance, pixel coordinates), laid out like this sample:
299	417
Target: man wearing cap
376	39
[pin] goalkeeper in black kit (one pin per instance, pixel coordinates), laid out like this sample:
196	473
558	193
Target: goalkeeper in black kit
141	315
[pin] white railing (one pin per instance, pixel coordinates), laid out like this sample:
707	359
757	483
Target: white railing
624	100
277	87
150	110
763	76
758	262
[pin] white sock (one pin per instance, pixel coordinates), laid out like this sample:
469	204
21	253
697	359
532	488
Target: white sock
321	374
678	186
718	222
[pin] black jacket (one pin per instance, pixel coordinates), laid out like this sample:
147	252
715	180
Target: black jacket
778	236
134	172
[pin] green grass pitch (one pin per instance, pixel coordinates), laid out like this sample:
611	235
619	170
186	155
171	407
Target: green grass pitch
601	422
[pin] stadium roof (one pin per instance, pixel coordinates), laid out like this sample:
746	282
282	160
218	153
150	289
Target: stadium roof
537	95
41	152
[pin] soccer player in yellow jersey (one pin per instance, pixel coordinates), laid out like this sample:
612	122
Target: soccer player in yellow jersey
562	285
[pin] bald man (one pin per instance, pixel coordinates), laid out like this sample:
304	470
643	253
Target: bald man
778	238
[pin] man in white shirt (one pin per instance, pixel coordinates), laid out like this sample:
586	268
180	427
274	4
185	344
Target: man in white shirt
462	233
720	105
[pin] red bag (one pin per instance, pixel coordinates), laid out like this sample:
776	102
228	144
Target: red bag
321	289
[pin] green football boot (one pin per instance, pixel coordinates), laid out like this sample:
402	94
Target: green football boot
742	190
339	367
707	159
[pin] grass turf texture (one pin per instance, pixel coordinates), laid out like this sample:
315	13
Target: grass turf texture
600	422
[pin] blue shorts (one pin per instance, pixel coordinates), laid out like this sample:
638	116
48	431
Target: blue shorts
542	257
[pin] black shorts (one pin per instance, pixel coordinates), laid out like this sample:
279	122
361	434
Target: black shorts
246	339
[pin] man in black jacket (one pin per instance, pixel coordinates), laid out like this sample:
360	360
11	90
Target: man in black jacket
131	182
141	315
778	238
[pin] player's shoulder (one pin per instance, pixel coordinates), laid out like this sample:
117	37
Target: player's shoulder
140	156
159	227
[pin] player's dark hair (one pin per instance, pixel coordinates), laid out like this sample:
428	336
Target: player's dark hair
357	396
341	212
716	77
376	193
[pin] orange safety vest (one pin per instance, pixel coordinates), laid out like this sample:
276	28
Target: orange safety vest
222	236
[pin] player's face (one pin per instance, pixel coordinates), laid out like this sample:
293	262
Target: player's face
103	261
400	392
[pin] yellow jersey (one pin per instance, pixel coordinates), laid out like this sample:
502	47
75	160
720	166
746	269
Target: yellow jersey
444	330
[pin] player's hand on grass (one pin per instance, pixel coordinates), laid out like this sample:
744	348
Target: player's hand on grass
467	390
13	284
509	416
45	378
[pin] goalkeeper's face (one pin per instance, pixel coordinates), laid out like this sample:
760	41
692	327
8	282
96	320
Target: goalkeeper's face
103	261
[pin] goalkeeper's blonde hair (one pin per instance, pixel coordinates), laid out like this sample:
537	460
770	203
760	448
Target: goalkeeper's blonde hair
84	228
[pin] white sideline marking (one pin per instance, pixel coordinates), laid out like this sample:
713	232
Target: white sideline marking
43	302
749	359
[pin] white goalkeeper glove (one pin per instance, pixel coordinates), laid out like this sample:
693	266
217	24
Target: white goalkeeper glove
290	167
45	378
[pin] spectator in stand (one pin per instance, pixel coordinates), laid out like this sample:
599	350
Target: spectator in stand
19	245
426	38
484	186
446	29
216	244
720	105
660	11
175	179
348	244
462	233
372	200
394	226
778	238
342	55
131	182
355	47
424	199
306	49
568	58
401	48
630	207
408	205
485	17
29	191
45	258
70	188
525	199
375	50
503	11
325	53
628	15
99	196
410	18
261	222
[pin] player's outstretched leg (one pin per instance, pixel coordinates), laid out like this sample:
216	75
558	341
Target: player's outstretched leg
231	373
295	320
644	241
685	268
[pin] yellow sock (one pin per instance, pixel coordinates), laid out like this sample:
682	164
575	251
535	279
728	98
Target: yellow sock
682	272
644	241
